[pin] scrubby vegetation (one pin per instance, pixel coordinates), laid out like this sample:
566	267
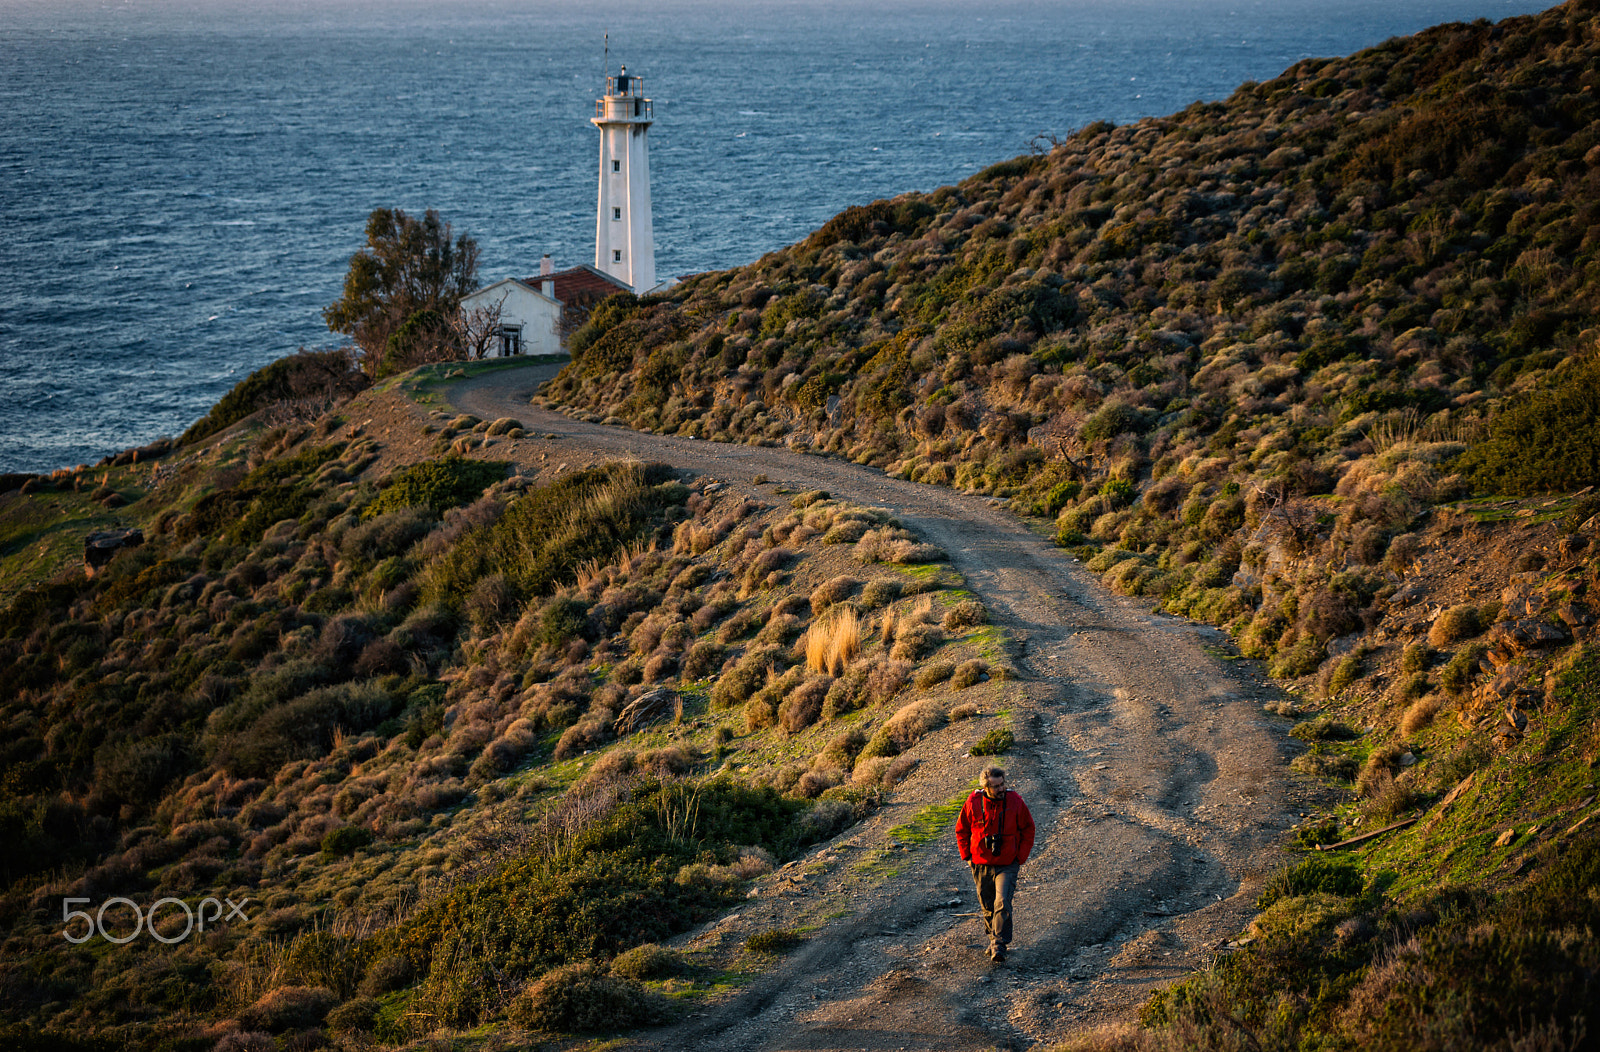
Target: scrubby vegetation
458	738
1234	353
1409	946
1271	363
473	747
303	385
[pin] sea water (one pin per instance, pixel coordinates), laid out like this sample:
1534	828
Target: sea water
182	183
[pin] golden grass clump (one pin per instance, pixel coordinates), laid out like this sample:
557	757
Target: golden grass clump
832	644
1458	622
912	722
1420	714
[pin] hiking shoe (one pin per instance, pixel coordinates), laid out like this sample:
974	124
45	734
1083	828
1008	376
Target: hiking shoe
997	953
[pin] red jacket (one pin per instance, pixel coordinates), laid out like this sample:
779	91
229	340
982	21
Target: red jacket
982	816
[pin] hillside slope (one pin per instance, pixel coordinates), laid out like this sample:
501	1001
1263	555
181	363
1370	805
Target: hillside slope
1315	309
455	739
504	738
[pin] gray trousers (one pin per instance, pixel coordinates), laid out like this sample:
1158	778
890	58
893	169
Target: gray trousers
995	887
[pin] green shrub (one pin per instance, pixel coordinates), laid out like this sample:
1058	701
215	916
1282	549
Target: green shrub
1344	673
436	485
562	619
612	887
739	683
137	770
1547	440
1319	873
1322	729
1410	687
1456	676
548	533
329	376
880	744
345	840
1457	622
585	998
600	345
1111	420
1315	834
934	673
327	960
274	491
1468	757
774	940
1300	659
1321	763
827	818
650	961
359	1014
387	536
388	973
997	742
301	729
1416	658
1117	492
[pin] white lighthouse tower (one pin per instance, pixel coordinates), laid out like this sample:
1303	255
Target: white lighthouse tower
624	241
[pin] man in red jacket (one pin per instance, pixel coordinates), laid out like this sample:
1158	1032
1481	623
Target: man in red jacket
995	835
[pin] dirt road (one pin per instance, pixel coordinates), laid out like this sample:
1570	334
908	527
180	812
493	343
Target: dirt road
1155	778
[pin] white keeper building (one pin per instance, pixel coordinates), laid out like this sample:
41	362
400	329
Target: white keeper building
536	315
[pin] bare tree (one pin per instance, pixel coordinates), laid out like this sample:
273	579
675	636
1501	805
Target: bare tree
477	330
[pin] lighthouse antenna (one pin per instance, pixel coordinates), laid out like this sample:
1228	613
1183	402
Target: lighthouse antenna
606	72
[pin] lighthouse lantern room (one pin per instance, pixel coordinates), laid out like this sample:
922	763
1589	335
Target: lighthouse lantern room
624	241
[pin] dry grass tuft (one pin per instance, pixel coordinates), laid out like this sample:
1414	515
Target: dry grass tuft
885	679
964	711
650	961
832	644
916	641
899	770
289	1008
693	538
934	674
813	784
759	714
969	672
834	591
1458	622
804	705
912	723
880	592
1420	714
965	615
1379	770
870	772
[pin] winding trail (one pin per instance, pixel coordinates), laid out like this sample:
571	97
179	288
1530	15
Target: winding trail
1156	781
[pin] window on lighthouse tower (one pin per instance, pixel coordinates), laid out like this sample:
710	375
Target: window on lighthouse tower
616	213
616	166
616	255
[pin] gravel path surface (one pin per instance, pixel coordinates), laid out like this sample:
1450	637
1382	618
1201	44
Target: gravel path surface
1156	781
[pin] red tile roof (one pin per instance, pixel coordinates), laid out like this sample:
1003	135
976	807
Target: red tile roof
582	284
